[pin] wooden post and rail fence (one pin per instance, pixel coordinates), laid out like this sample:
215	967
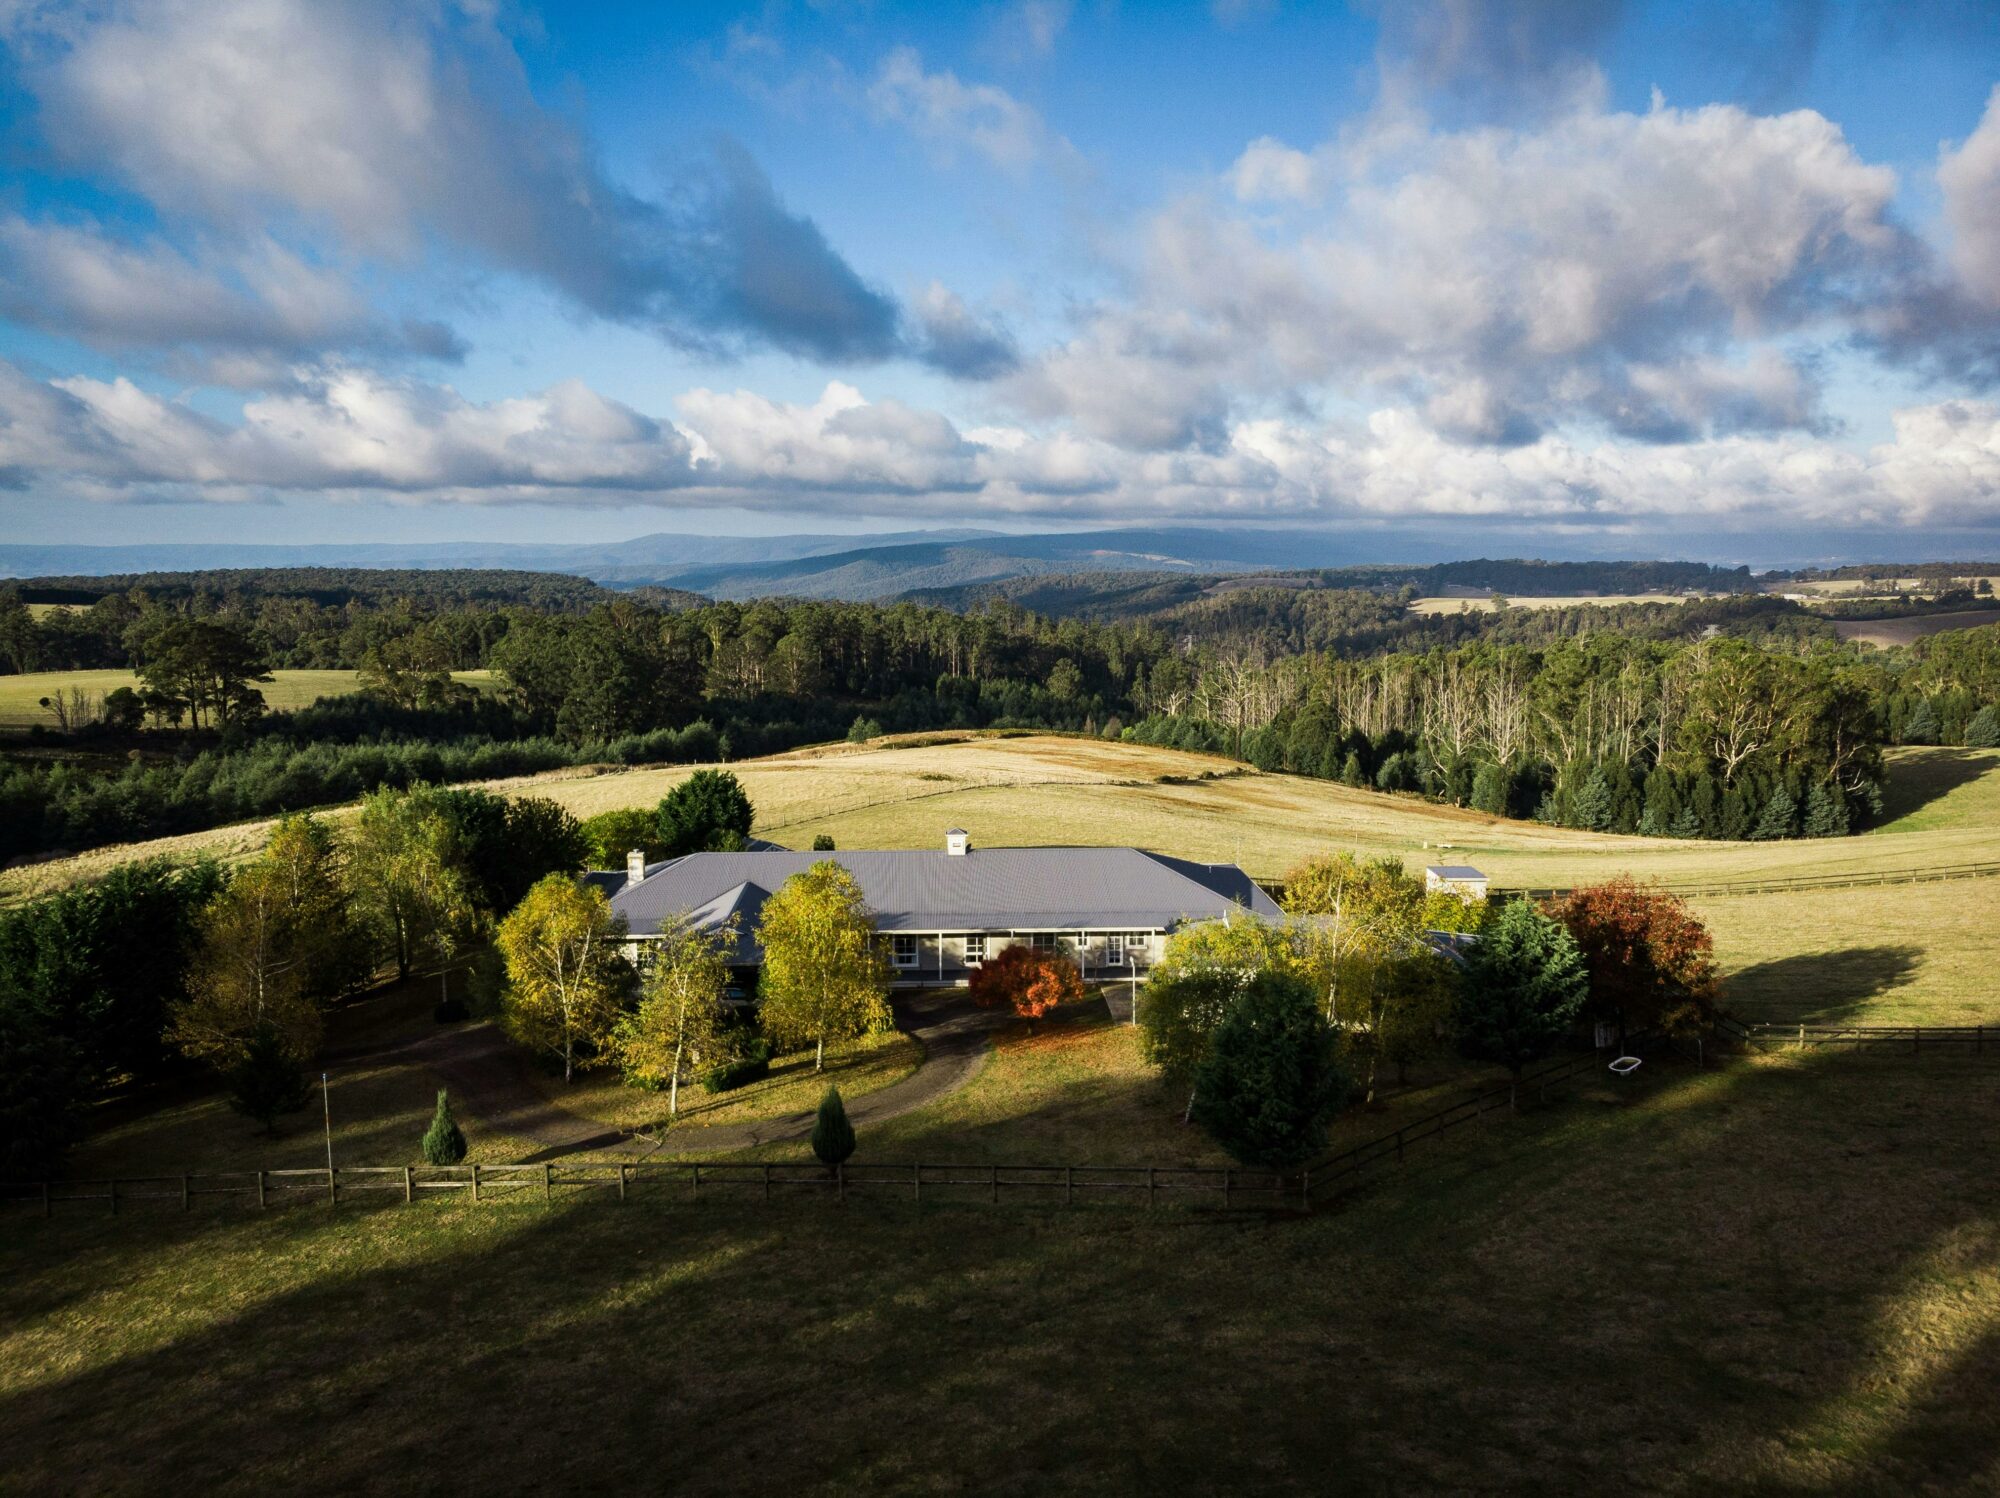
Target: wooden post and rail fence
1229	1187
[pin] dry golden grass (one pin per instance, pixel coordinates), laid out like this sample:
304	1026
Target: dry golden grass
1048	789
20	695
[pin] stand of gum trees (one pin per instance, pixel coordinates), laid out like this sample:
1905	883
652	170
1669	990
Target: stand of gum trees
1736	717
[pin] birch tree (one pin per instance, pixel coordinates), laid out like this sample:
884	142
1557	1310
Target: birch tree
565	975
678	1022
825	976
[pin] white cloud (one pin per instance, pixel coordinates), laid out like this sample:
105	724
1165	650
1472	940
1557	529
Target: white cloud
1638	271
951	116
257	299
397	130
348	431
1969	180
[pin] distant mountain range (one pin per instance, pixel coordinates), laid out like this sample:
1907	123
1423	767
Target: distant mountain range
944	565
811	566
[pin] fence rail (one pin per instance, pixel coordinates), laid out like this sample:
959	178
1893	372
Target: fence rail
1336	1175
1225	1186
1913	1038
1804	882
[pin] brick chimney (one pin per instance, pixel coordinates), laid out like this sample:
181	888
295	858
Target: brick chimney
635	867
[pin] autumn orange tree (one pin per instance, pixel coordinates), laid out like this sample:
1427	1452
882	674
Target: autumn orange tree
1026	980
1650	959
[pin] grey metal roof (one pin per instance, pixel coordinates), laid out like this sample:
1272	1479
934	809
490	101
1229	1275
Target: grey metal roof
1454	871
987	889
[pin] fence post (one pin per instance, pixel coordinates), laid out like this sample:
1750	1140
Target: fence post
1152	1186
621	1180
548	1181
409	1186
840	1180
184	1193
260	1188
1802	1037
995	1173
475	1182
332	1193
917	1182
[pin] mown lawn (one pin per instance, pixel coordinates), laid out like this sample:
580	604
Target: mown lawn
1779	1277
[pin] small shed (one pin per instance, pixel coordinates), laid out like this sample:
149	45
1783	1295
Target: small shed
1462	879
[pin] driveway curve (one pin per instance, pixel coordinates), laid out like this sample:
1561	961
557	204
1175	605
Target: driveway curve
489	1083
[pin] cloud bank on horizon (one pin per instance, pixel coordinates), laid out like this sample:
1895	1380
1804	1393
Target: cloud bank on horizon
1455	260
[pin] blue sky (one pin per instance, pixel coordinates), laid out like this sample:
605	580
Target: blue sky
1603	278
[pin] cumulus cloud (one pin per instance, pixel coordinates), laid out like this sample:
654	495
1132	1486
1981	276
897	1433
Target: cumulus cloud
1636	271
951	116
351	431
1493	58
258	299
1969	181
342	429
399	127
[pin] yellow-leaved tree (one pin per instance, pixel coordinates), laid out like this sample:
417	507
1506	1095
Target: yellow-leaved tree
825	976
677	1027
566	978
273	947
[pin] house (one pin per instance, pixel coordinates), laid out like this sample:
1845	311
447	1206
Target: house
944	911
1462	879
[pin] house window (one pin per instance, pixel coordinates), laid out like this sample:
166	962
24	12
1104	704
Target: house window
903	951
975	949
1114	948
1043	941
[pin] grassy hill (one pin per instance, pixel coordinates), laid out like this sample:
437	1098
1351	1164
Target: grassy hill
21	694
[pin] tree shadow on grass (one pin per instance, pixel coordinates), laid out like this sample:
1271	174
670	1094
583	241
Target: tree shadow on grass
1821	987
1918	780
1437	1339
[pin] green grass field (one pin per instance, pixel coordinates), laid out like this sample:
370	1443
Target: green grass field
20	695
1777	1277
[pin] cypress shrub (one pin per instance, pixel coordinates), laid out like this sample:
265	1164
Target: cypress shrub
444	1141
267	1082
1272	1079
833	1135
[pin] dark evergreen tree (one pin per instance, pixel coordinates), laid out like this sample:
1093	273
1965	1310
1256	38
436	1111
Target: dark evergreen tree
1522	986
1983	732
708	810
1272	1078
444	1141
1780	816
1922	726
1826	811
1489	790
1592	806
832	1135
267	1082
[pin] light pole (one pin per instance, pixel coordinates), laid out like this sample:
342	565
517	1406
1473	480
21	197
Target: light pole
326	1107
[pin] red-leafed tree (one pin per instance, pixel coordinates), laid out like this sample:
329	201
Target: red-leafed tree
1650	959
1026	980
